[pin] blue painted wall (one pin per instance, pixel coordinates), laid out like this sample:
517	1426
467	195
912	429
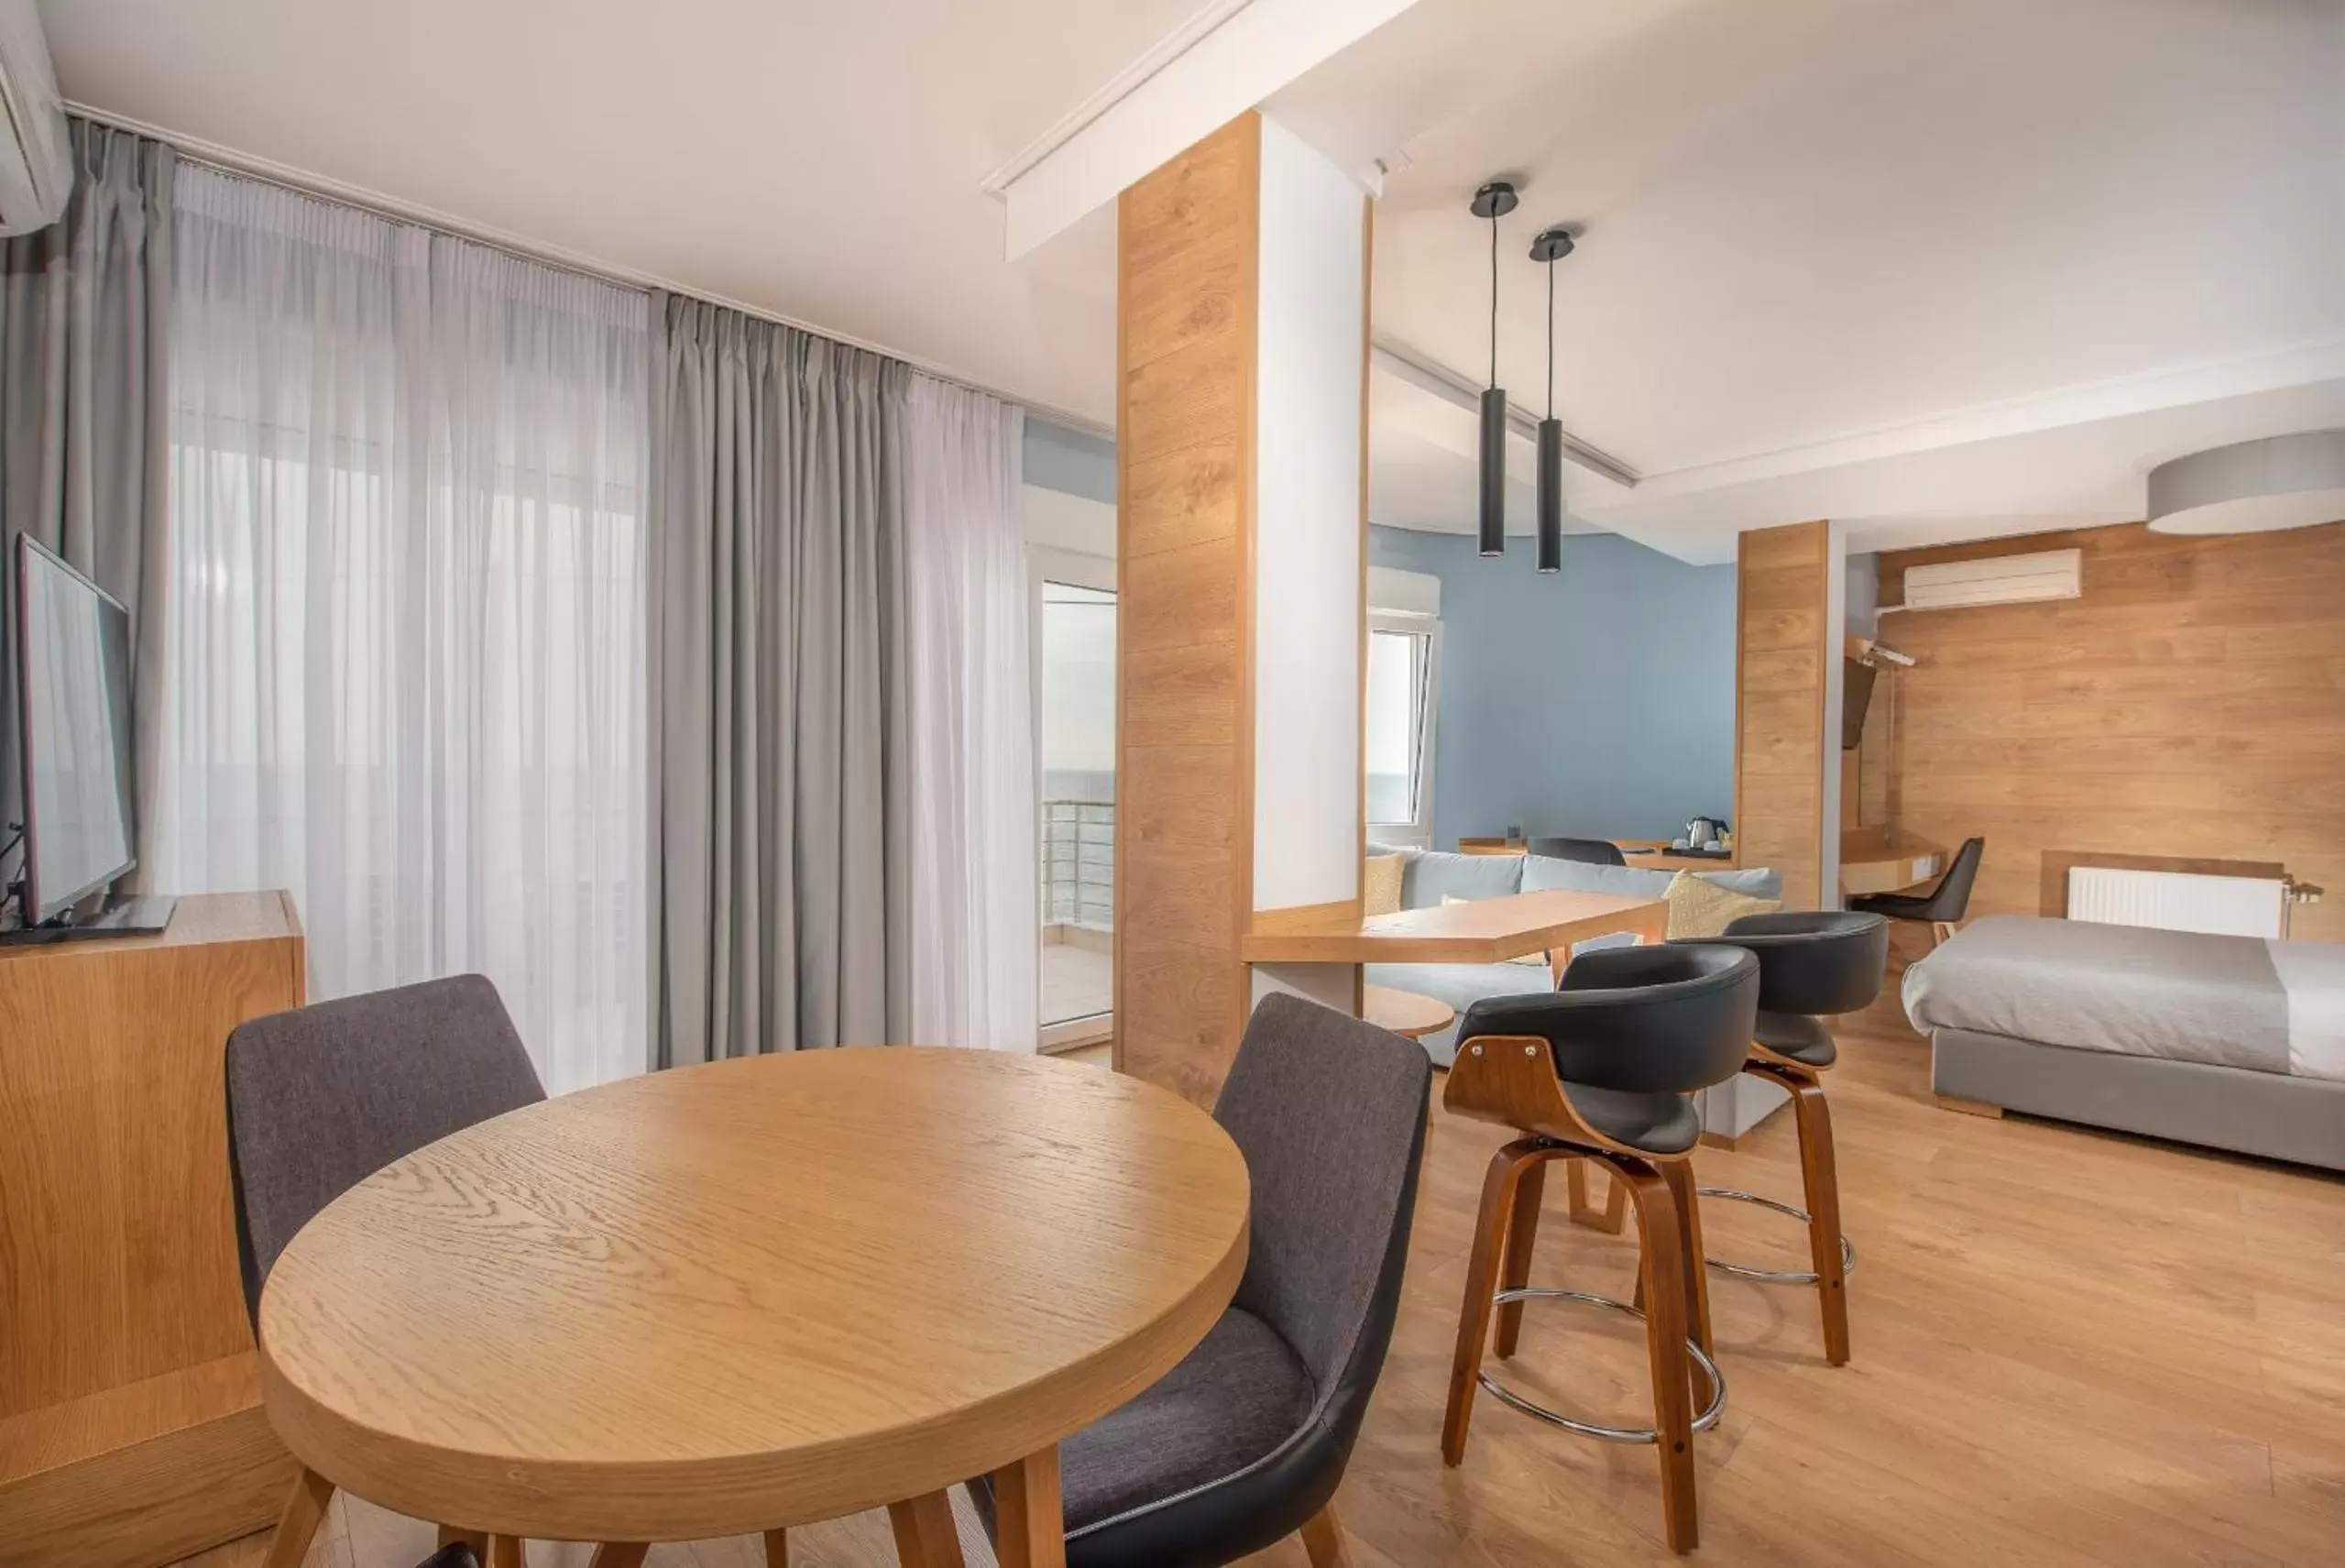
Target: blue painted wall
1599	703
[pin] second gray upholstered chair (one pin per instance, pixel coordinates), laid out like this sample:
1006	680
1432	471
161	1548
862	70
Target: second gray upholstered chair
1245	1441
321	1098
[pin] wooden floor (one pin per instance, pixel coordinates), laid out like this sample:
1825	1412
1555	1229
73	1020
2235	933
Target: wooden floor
2070	1347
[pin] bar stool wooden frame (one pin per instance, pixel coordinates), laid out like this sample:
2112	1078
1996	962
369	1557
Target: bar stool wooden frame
1828	1249
1510	1080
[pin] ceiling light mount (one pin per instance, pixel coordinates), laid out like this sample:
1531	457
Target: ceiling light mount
2252	487
1497	199
1553	244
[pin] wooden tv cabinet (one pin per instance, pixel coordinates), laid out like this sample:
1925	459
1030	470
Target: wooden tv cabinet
131	1428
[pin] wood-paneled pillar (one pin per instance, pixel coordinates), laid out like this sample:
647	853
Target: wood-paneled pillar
1790	604
1242	383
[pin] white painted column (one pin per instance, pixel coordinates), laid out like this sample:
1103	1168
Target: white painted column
1307	614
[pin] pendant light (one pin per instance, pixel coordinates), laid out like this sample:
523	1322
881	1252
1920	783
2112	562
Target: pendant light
1494	202
1551	246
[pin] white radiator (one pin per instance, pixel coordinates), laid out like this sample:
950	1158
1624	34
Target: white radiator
2179	900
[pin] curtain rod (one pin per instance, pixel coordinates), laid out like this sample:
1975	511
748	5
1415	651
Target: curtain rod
302	182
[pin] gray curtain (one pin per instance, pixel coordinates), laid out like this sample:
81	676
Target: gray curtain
84	441
779	690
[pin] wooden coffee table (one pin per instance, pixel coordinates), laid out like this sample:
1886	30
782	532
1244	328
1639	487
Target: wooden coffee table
759	1293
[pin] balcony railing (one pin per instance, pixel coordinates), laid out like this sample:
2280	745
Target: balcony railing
1078	863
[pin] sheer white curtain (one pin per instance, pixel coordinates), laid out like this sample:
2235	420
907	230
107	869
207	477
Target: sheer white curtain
976	945
406	607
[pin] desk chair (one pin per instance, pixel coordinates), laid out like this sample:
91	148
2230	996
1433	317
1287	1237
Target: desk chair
1588	851
1944	906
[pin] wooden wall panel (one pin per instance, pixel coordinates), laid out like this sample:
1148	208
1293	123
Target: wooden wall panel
2190	705
1187	255
1782	641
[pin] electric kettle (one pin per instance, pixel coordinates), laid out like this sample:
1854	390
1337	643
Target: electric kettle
1701	833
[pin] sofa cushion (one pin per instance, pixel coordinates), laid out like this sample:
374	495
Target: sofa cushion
1380	877
1699	907
1542	873
1430	874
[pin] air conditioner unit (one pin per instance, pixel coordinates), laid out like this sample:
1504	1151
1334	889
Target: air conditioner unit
1999	580
36	157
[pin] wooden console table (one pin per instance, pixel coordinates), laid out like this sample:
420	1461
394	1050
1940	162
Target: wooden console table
131	1428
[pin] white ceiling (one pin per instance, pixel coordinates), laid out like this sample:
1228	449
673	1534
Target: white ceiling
1936	267
1932	258
818	162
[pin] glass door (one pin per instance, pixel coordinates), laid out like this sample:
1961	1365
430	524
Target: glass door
1075	732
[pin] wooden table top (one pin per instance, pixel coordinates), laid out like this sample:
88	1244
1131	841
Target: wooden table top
757	1293
1404	1012
1882	859
1478	931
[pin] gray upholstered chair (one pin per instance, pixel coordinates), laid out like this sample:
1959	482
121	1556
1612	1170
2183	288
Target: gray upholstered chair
1588	851
1246	1441
321	1098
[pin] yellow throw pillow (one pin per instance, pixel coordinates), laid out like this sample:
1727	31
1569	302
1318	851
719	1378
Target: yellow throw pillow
1530	960
1380	884
1699	908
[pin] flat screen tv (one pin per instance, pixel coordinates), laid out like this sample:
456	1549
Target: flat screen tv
74	660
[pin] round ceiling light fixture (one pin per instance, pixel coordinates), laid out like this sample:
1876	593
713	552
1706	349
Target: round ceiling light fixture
2255	486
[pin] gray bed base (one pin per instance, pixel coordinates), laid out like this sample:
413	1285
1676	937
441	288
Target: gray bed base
2266	1113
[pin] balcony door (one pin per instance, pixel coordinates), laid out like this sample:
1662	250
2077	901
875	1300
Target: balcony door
1075	632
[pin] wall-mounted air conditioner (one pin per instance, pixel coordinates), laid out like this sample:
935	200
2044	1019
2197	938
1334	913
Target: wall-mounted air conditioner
1999	579
35	158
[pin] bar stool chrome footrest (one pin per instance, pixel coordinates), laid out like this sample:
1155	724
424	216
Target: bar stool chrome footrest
1505	1396
1773	1276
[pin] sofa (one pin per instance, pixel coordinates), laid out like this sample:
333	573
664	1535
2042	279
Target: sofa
1428	875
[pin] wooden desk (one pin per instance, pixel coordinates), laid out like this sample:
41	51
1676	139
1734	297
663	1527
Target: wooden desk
131	1431
1480	931
1884	859
754	1294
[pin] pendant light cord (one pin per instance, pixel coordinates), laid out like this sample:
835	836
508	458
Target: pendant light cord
1551	340
1494	298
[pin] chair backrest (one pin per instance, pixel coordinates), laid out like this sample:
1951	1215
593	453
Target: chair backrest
1590	851
1814	962
1329	1113
1950	900
322	1097
1666	1019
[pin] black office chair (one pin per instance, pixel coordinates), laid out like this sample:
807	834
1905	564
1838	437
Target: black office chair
1605	1068
1944	906
321	1098
1811	966
1245	1443
1588	851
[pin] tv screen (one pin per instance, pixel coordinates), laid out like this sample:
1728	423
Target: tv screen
73	656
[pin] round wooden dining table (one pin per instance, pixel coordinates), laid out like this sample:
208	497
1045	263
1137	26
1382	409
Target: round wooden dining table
736	1298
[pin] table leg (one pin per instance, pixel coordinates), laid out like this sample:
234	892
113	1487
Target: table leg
1030	1526
777	1548
297	1521
924	1536
476	1538
505	1552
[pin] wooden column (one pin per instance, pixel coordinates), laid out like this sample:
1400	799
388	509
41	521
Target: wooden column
1241	377
1787	751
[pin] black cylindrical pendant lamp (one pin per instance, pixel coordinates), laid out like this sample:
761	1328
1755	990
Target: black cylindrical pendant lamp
1551	246
1551	495
1494	472
1494	202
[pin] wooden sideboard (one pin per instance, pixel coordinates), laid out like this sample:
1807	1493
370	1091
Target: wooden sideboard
131	1429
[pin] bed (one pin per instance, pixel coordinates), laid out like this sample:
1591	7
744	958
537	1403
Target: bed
2230	1042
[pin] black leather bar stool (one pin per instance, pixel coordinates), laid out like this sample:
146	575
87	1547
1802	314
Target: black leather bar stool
1811	966
1605	1068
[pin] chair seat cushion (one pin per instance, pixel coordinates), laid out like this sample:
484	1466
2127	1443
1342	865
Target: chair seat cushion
1803	1038
1657	1124
1236	1397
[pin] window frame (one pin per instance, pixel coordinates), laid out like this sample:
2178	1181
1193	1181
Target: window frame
1417	833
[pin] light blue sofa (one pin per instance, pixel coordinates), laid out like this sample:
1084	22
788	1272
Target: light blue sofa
1428	875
